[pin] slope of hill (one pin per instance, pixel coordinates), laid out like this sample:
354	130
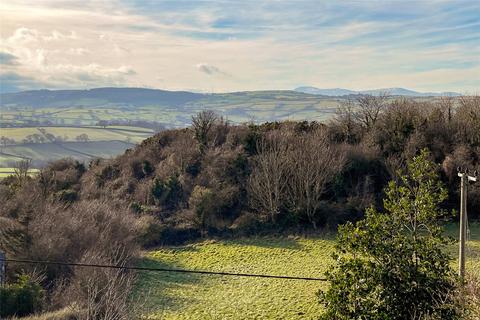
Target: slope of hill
97	96
326	92
390	91
68	113
172	109
140	97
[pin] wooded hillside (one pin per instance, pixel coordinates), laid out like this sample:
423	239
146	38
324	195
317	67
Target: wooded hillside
218	179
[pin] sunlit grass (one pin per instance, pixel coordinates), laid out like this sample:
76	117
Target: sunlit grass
191	296
5	172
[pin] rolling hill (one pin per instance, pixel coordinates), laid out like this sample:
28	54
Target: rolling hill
97	96
66	114
338	92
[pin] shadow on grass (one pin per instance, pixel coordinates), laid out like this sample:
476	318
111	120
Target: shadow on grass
453	229
156	289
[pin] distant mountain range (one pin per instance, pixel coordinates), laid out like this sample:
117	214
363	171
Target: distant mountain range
338	92
139	97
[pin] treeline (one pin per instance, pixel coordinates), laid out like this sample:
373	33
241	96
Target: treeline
217	179
154	125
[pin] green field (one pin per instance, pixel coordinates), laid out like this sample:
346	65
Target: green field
69	134
43	153
67	122
5	172
102	142
238	107
190	296
71	118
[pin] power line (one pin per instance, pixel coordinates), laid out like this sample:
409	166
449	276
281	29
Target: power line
60	263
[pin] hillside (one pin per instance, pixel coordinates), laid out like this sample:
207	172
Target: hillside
84	143
98	96
172	109
339	92
216	180
131	115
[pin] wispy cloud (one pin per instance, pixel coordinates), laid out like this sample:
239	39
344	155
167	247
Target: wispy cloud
424	45
210	69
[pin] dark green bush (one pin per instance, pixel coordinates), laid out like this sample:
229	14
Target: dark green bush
167	193
109	172
21	298
142	169
68	195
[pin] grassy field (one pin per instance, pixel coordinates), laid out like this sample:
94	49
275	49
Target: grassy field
133	134
73	118
5	172
237	107
102	142
42	153
190	296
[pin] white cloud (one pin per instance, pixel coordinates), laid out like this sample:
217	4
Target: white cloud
92	43
23	35
56	36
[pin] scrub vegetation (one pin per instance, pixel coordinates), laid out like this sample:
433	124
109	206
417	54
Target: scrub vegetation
218	180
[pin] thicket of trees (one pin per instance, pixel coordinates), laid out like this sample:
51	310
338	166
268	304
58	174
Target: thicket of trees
393	264
220	179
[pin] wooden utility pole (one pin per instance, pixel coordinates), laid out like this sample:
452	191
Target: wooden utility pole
465	178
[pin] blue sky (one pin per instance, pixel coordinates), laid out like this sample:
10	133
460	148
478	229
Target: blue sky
240	45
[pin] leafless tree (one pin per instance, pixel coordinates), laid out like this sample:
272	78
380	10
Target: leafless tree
467	118
45	181
345	120
103	293
268	181
21	171
183	150
11	235
369	107
82	138
5	141
446	104
202	124
314	161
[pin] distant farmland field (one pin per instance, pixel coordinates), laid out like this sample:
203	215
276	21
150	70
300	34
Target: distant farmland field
67	121
42	153
5	172
98	142
70	133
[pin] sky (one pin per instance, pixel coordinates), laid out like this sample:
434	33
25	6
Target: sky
224	46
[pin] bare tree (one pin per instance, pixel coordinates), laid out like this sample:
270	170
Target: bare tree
5	141
446	104
268	181
82	137
103	293
467	118
369	108
346	121
21	171
202	124
46	180
314	161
